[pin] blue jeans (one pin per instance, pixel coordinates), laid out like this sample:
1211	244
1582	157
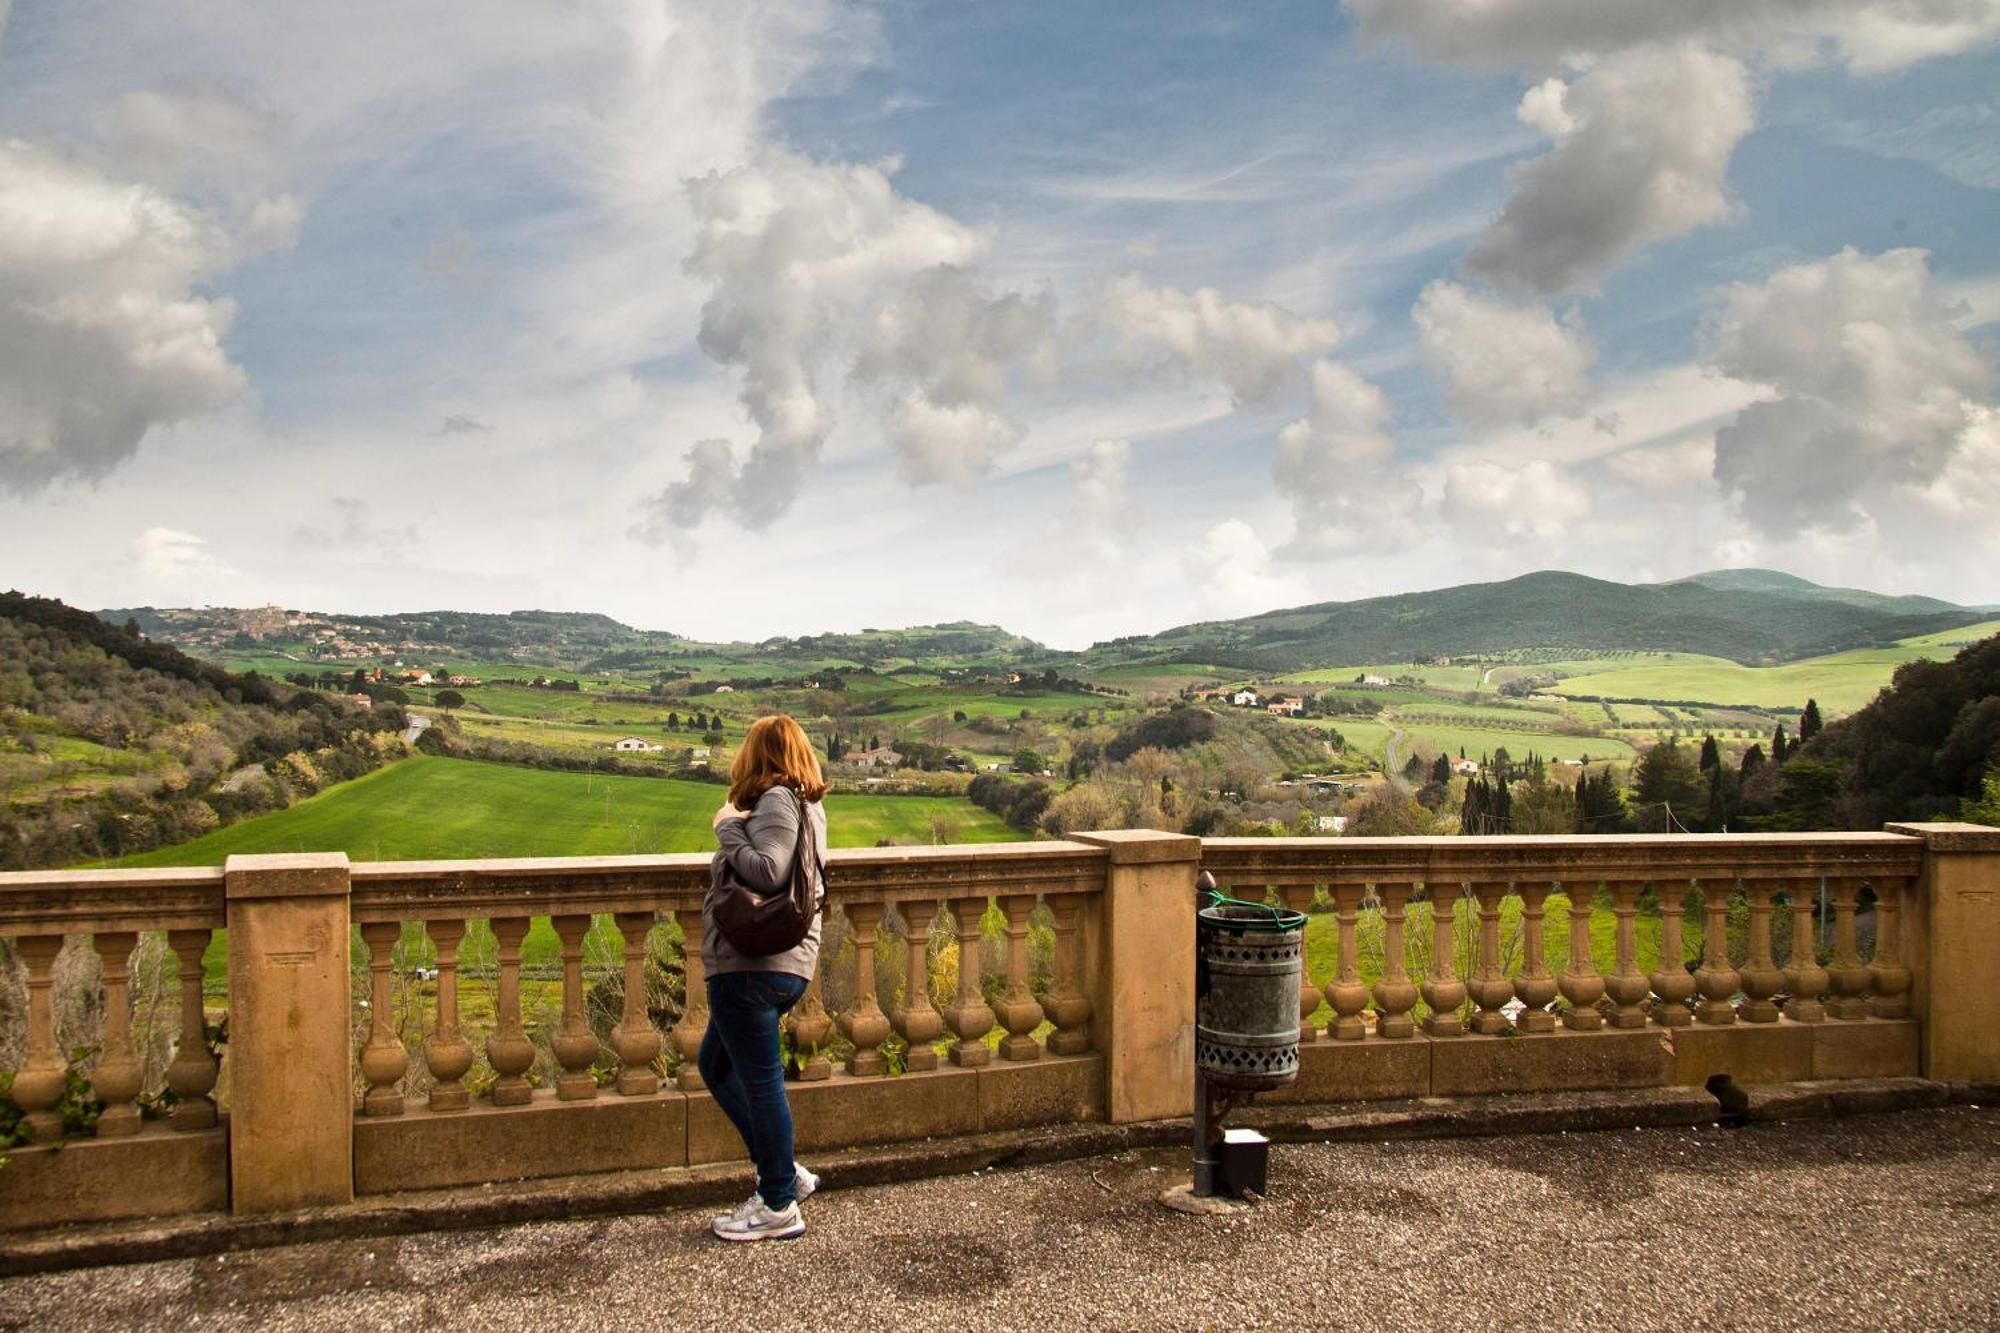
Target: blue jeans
740	1063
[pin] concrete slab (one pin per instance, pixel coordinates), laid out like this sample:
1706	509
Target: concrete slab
422	1149
1551	1061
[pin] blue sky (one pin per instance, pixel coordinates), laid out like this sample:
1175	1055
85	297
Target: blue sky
1089	320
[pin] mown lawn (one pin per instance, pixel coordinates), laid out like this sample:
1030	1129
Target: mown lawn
431	808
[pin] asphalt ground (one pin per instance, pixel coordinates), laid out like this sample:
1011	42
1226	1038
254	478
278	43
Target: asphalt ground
1887	1221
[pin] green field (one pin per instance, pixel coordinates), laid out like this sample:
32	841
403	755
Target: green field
429	808
1842	682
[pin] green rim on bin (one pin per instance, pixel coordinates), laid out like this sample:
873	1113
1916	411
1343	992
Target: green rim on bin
1271	917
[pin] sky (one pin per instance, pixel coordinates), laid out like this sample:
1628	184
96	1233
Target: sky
739	319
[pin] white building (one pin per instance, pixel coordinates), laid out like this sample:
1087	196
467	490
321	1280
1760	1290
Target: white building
1465	768
632	744
1244	698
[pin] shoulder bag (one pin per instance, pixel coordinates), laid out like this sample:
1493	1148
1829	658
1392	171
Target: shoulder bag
758	924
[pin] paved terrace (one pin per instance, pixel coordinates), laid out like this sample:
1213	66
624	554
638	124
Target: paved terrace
1868	1222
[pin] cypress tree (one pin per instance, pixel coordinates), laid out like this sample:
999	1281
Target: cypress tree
1809	721
1753	759
1711	755
1779	749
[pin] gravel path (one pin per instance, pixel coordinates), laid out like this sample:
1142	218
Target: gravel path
1888	1221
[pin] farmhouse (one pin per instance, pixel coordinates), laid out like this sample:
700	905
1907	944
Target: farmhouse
631	744
1286	707
880	757
1465	768
1372	679
1244	698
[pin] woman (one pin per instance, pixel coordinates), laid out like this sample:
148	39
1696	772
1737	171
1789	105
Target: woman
774	783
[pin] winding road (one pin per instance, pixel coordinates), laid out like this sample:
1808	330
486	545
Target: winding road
1393	769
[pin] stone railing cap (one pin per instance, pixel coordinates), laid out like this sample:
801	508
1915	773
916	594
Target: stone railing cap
285	875
1143	846
1952	837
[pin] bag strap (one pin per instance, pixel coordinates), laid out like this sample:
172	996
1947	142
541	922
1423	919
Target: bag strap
809	845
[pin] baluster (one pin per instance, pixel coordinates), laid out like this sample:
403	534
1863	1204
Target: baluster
1804	977
1490	988
1443	991
448	1054
1299	898
1848	976
1395	996
510	1050
1761	978
917	1020
1534	986
1627	985
1715	978
1345	992
863	1021
1673	984
1888	975
693	1024
575	1045
1067	1004
116	1078
44	1075
635	1039
1580	983
383	1059
810	1027
1020	1012
192	1074
969	1017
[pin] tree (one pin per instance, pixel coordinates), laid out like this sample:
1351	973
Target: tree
1808	793
1413	769
1388	813
1441	769
1667	789
1753	759
1600	806
450	699
1809	722
1711	754
1028	760
835	748
712	738
1779	748
673	721
1986	810
1541	806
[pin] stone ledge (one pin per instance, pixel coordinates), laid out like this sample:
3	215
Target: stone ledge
421	1149
1552	1062
156	1171
682	1187
1780	1052
1371	1069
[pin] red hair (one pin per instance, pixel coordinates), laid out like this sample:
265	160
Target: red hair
774	753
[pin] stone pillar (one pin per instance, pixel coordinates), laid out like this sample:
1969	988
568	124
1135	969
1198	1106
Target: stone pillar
1952	938
1143	1014
291	1063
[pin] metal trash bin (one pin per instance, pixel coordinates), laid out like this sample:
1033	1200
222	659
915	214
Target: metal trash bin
1248	958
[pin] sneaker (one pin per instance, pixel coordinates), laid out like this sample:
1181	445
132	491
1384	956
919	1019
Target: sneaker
761	1223
739	1212
804	1182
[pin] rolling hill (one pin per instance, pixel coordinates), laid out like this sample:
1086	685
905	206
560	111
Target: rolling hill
1755	617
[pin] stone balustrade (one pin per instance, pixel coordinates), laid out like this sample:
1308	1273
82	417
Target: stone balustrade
1421	953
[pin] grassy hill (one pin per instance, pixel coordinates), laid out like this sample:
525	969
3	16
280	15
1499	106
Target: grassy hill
1760	618
429	808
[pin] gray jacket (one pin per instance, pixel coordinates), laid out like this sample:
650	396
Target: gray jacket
760	850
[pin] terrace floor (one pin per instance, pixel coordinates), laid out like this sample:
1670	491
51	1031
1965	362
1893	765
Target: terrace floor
1866	1222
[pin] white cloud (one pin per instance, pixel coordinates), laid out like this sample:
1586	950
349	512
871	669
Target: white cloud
1253	347
1667	468
1871	36
1877	388
954	443
1503	364
102	334
795	253
1624	173
169	559
1231	574
1336	467
1535	501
